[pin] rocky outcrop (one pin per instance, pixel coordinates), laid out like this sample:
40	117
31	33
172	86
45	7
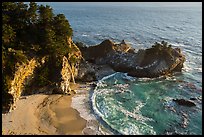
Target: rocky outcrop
95	53
160	59
184	102
69	69
66	76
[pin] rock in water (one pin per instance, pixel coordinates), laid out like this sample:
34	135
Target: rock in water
184	102
160	59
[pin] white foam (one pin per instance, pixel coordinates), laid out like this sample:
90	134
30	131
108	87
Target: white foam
104	91
106	77
107	109
101	84
122	86
168	101
144	79
186	67
85	35
132	129
177	45
198	69
115	82
135	114
129	128
79	102
128	77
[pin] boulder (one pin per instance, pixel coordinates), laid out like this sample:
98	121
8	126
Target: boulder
184	102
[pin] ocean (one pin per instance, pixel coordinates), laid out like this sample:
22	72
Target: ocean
144	106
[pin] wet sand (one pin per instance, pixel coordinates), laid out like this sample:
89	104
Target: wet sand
44	115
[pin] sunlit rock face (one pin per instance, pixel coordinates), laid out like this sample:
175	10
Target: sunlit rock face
22	77
160	59
66	76
48	75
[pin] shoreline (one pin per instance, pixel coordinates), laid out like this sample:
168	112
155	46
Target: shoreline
82	103
55	114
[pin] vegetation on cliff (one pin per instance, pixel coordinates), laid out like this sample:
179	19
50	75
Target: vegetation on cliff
34	31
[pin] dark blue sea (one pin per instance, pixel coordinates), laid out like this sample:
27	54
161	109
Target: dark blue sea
141	105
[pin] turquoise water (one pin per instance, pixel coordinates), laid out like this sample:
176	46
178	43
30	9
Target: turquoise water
142	106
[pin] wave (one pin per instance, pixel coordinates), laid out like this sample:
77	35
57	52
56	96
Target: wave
145	79
191	67
85	35
78	102
193	52
186	67
107	108
125	112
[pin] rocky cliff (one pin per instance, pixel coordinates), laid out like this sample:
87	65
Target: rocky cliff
22	77
48	75
66	73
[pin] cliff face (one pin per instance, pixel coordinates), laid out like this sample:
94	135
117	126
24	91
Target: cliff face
53	73
66	73
21	77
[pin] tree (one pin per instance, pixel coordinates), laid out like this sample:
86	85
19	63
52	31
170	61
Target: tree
30	30
33	30
45	15
62	26
32	12
8	35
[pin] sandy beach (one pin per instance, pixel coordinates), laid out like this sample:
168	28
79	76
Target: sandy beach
53	115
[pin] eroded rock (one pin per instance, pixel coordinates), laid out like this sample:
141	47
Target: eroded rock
22	76
160	59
